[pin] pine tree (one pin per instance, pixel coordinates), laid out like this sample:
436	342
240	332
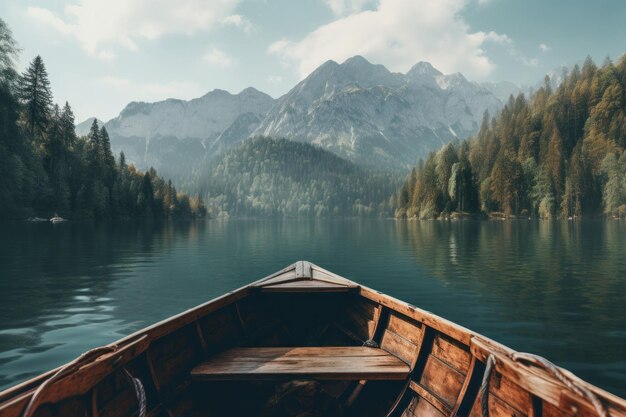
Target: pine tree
55	170
8	55
614	194
55	157
122	161
35	94
554	164
554	154
94	133
107	160
68	128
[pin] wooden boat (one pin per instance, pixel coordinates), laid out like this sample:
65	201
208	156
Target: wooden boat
306	342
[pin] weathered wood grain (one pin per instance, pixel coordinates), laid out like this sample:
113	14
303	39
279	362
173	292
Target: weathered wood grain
443	360
332	363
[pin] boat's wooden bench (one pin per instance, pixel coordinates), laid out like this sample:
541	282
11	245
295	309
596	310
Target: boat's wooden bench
321	363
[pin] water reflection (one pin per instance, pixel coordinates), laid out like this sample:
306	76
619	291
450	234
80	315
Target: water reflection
551	288
556	289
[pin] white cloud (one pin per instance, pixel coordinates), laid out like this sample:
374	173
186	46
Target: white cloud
344	7
219	58
543	47
100	25
142	91
398	33
50	19
240	22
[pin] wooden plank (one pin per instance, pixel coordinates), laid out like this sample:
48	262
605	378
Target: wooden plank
81	381
306	286
541	384
124	404
201	336
303	269
419	407
405	327
288	269
327	363
374	323
321	274
469	389
442	380
497	407
512	395
451	329
241	353
222	328
452	353
153	374
399	346
431	398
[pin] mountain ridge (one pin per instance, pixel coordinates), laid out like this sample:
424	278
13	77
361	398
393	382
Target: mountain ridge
356	109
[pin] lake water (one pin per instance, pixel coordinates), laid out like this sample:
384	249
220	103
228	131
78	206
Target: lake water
557	289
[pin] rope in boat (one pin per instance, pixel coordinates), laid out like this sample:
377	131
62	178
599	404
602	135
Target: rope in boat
570	382
140	392
371	343
74	365
484	386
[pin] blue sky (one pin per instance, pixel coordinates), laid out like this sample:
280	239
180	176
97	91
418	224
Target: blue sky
101	54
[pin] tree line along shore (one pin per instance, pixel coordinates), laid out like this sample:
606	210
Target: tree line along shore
46	169
558	154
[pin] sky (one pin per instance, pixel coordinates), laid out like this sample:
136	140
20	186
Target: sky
102	54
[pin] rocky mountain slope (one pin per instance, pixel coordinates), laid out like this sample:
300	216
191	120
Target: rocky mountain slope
368	114
173	135
358	110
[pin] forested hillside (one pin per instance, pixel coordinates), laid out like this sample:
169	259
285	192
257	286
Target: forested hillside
277	177
45	168
559	154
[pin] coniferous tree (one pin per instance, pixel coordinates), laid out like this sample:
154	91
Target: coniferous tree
18	165
94	151
35	94
8	55
67	126
555	154
55	170
105	148
107	160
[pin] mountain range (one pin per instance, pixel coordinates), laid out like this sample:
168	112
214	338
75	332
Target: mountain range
358	110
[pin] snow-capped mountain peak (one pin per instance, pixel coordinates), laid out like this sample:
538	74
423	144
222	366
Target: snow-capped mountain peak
356	109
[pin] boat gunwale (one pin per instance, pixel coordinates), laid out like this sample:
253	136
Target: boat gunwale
481	347
189	316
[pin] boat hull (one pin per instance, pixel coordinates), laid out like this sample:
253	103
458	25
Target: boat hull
439	368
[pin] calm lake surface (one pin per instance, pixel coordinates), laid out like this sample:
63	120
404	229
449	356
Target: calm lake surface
557	289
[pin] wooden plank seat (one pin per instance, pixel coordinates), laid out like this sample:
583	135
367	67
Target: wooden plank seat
345	363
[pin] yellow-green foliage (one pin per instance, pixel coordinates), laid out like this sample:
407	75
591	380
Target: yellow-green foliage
559	154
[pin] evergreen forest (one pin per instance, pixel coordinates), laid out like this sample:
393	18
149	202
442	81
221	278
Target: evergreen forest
558	154
45	168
